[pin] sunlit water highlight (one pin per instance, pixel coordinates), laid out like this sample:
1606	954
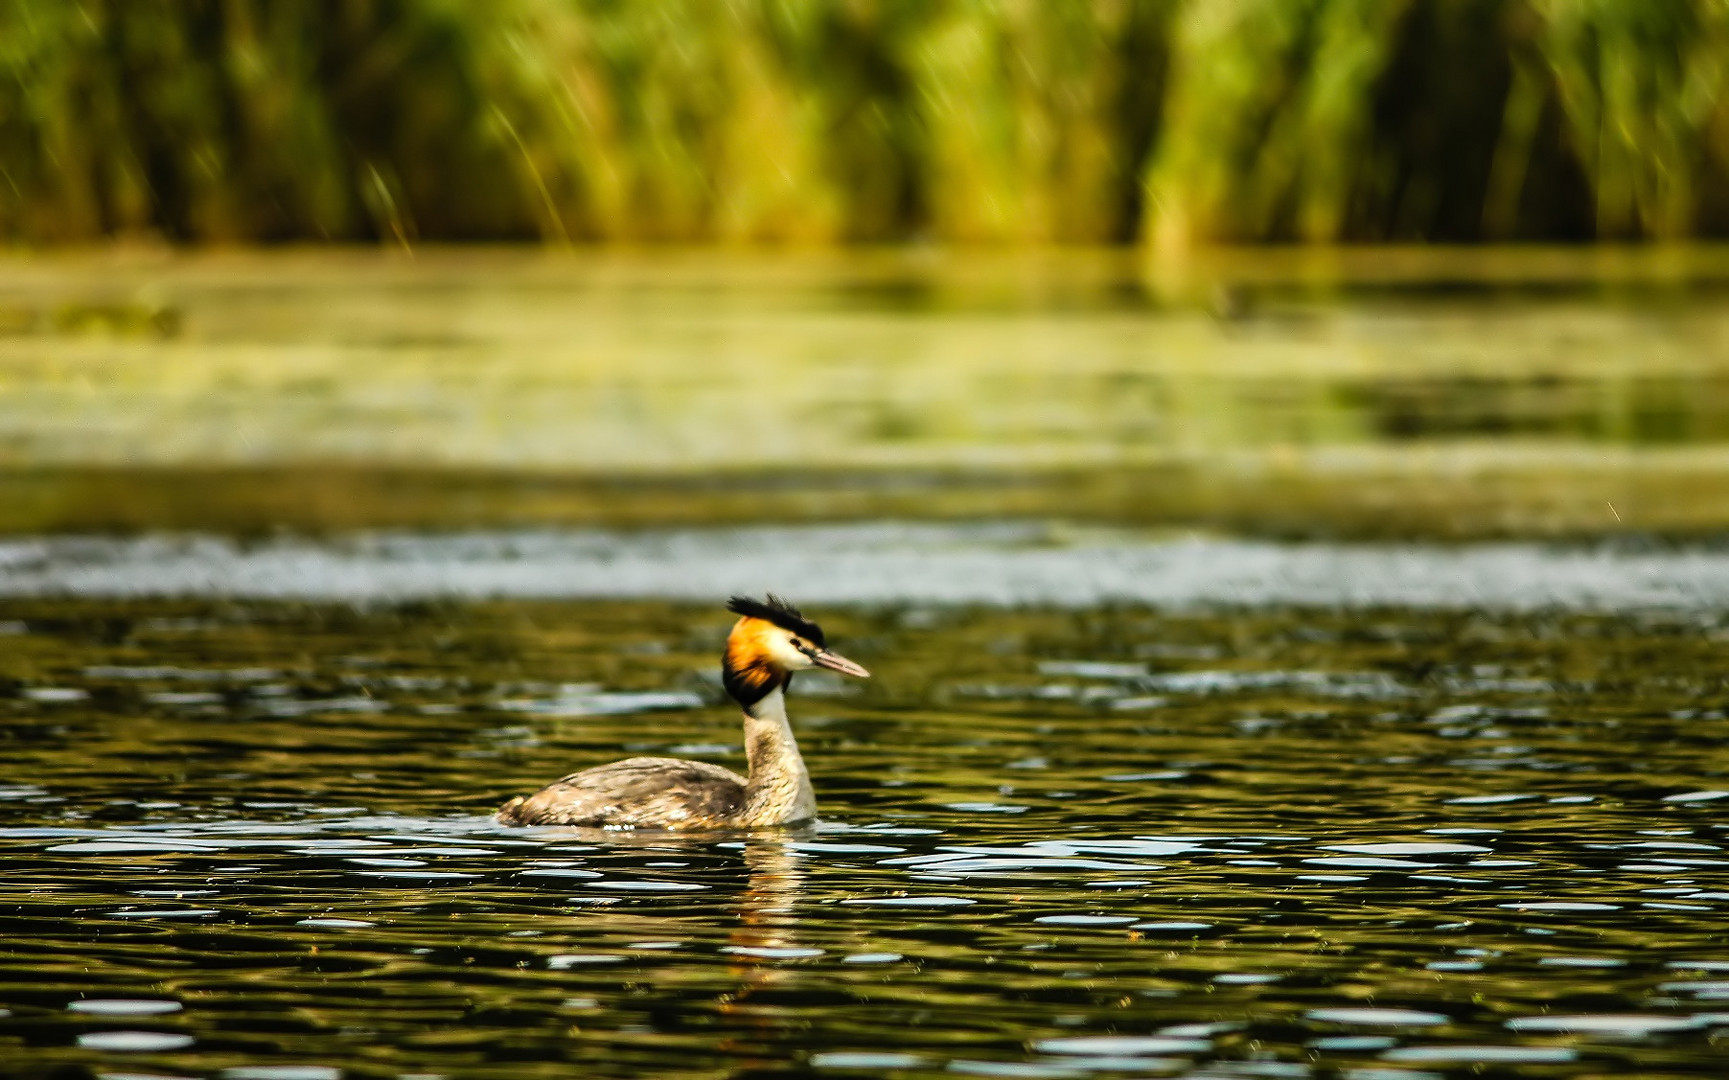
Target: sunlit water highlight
1009	563
249	840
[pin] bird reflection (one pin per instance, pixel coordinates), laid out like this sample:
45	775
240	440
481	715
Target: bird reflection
776	882
765	936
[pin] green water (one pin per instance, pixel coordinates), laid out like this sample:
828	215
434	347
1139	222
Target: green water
1401	393
1139	788
250	840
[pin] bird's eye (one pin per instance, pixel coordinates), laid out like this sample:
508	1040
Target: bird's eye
803	647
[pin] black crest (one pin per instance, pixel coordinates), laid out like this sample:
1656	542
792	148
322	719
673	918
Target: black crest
779	612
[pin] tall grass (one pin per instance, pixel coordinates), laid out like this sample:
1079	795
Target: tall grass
1167	121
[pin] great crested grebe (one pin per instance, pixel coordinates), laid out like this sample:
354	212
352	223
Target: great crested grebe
770	642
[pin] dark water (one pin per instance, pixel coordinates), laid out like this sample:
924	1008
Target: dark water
250	841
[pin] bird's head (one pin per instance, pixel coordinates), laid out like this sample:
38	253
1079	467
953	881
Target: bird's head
770	641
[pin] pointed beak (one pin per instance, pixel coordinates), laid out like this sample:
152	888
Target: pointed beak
837	662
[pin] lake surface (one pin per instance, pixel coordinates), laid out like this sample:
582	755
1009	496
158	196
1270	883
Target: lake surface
1496	392
1004	563
1287	664
248	839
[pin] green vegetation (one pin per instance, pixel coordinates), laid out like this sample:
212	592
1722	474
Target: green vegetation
1167	121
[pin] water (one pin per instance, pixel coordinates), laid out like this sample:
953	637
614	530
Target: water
313	559
1360	394
1000	563
249	840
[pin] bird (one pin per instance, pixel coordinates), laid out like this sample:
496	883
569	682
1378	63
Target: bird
770	642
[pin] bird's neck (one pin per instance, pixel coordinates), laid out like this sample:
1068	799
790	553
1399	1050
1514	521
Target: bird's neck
779	788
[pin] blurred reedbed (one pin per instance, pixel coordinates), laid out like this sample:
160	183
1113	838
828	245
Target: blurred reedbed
1159	121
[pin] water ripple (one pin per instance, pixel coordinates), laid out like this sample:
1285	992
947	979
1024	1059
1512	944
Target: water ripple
1274	879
